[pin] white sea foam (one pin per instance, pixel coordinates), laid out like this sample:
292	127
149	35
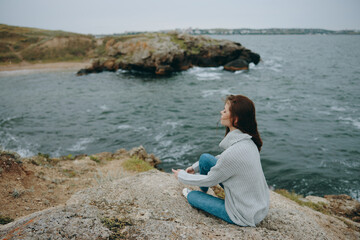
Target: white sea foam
81	144
195	70
271	64
12	143
221	92
240	71
121	71
57	153
355	193
124	126
11	137
140	129
178	151
24	152
159	136
8	119
354	122
104	107
208	76
165	143
172	124
205	74
338	109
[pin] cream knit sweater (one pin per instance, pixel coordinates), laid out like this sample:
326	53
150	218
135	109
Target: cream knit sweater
239	170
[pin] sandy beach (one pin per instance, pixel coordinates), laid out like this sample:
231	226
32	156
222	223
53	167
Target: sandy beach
42	67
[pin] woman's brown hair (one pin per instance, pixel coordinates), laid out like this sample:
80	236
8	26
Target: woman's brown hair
242	112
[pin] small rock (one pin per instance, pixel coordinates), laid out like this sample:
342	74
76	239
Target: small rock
237	65
141	153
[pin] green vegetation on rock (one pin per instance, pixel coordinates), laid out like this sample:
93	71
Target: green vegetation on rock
320	207
137	165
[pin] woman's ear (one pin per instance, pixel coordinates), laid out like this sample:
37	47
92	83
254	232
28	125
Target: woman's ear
235	121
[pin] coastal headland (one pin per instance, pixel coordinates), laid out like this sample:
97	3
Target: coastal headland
157	53
121	195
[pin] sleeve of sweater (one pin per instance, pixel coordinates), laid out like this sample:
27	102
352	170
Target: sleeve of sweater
223	170
195	166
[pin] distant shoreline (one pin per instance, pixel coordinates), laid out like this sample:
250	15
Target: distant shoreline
44	66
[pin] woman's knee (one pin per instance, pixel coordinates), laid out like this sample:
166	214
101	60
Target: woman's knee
204	158
195	198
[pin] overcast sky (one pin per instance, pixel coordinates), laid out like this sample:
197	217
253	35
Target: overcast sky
117	16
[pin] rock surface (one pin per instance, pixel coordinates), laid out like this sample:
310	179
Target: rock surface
163	54
141	153
150	206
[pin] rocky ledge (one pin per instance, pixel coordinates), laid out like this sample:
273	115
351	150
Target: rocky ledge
149	205
163	54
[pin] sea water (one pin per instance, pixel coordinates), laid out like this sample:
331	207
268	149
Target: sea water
306	91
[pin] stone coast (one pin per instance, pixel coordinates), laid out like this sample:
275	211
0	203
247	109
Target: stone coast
112	201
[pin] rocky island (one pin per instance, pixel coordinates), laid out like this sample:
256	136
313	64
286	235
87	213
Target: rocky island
122	196
164	53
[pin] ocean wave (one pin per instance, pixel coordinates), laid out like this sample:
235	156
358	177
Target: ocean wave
104	107
204	74
159	136
354	122
355	193
8	119
12	143
324	112
240	71
178	151
208	76
221	92
165	143
81	144
24	152
195	70
172	124
338	109
140	129
57	153
124	126
273	64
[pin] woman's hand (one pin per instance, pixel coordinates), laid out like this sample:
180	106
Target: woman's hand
176	172
190	170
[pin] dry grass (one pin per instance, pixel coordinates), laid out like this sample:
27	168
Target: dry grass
30	44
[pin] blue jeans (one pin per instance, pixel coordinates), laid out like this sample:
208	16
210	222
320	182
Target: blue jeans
206	162
210	204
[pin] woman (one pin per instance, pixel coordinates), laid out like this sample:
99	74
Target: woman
237	169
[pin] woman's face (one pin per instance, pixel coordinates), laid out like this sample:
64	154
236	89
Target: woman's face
226	117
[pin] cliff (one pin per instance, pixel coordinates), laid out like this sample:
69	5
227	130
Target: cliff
123	204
